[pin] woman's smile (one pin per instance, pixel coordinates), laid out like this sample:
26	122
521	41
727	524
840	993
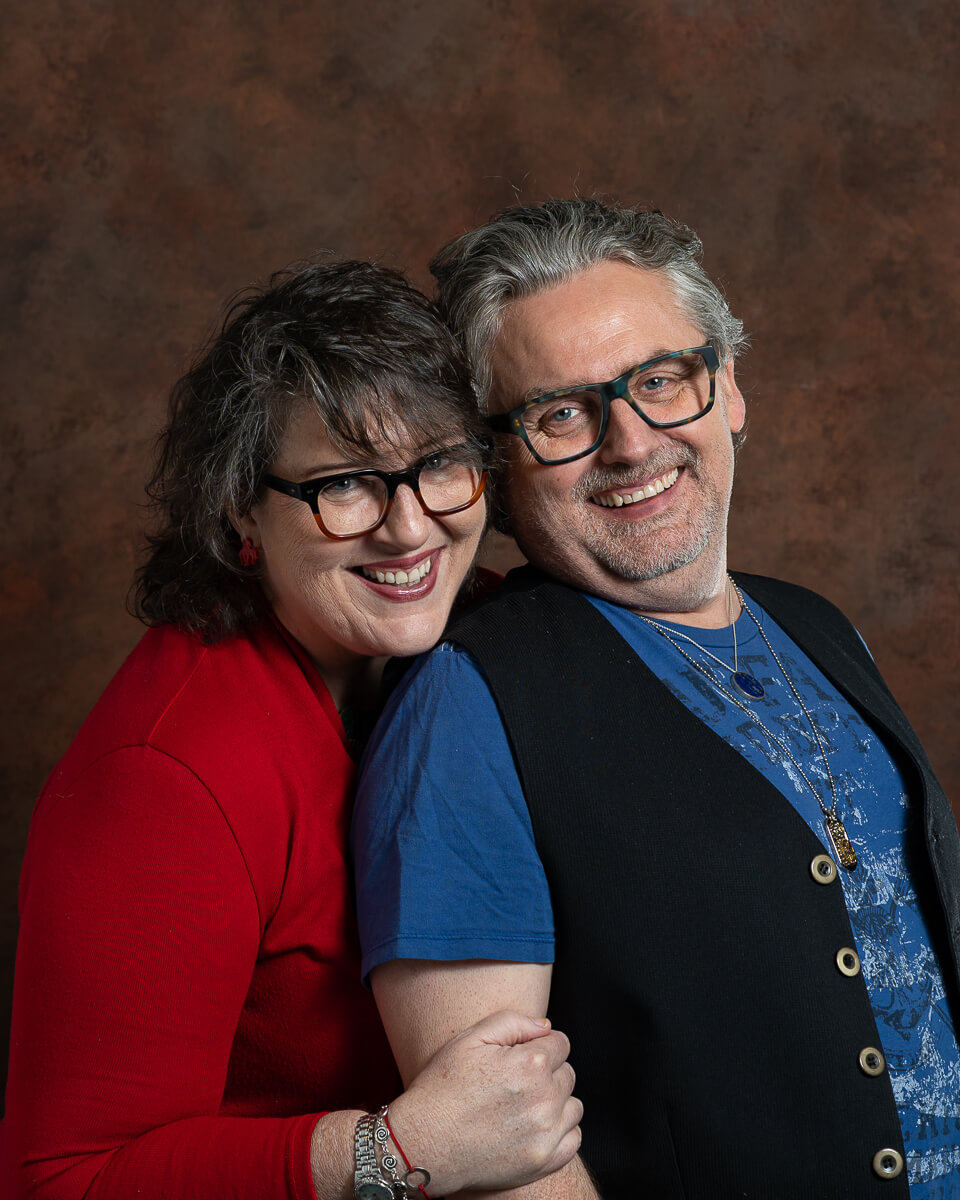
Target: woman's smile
402	579
386	592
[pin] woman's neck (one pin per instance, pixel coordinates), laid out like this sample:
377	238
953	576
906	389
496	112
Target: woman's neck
352	684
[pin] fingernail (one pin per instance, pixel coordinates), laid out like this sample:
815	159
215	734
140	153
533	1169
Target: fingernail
544	1021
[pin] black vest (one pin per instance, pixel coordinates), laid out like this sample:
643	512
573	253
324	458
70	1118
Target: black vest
716	1042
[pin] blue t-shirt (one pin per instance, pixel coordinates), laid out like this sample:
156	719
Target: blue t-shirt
447	868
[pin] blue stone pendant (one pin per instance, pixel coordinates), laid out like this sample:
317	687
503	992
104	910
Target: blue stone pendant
747	685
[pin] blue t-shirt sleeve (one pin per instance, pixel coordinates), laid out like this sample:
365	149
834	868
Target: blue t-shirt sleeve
445	861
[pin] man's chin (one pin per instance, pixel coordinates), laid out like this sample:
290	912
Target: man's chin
634	563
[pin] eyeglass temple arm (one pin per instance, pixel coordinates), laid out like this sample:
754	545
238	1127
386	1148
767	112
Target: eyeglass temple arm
500	423
286	486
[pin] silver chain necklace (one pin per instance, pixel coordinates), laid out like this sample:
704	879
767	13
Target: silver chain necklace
746	684
843	847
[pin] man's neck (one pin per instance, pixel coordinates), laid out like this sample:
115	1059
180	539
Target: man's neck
697	594
715	611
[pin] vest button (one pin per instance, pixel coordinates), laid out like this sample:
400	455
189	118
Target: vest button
887	1163
871	1061
848	961
823	869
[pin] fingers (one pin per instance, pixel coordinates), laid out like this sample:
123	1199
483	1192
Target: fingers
571	1117
566	1078
566	1138
569	1144
509	1028
555	1047
567	1149
507	1073
547	1051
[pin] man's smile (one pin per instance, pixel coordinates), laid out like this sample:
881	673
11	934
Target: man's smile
621	497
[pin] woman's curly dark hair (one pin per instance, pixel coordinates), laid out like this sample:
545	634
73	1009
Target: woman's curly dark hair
356	342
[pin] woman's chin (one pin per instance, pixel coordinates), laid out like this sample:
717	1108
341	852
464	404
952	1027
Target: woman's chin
409	638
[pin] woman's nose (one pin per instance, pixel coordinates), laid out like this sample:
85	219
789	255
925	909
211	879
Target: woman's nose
406	524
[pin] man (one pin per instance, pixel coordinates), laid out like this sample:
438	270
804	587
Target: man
691	793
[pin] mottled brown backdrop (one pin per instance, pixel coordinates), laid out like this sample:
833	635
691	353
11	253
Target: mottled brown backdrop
158	156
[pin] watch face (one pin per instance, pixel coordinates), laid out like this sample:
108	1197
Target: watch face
372	1189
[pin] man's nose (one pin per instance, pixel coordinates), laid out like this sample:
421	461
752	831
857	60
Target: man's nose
628	438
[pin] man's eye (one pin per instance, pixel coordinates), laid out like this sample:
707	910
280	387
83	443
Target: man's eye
663	388
562	416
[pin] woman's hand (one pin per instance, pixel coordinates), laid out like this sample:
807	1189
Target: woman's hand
493	1108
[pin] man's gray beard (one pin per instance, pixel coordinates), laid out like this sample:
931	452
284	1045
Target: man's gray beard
621	552
638	551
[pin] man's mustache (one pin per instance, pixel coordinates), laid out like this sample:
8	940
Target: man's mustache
657	463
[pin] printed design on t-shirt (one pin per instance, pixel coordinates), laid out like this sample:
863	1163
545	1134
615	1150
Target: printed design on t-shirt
901	972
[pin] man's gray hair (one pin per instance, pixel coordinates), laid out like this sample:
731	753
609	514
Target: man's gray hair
528	248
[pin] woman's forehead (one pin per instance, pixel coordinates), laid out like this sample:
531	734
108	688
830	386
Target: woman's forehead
388	441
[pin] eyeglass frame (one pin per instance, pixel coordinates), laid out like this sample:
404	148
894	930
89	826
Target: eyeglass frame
309	493
510	422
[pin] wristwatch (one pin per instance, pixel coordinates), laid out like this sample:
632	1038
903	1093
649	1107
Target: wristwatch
368	1183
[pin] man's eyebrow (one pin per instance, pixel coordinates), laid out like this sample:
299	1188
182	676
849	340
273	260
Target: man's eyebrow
539	390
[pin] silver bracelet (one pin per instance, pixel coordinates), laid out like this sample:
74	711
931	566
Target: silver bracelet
416	1179
368	1180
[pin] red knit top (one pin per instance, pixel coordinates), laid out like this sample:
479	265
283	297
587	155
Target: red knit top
187	997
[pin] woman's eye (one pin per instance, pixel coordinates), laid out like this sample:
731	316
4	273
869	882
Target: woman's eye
341	487
437	461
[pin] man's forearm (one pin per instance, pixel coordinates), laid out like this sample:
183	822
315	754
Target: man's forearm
571	1182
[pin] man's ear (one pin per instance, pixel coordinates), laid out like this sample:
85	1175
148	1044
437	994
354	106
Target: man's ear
734	405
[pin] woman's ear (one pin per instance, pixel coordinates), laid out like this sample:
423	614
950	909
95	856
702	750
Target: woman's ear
246	526
250	541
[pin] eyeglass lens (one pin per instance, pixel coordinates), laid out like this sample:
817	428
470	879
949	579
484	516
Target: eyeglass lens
355	504
668	391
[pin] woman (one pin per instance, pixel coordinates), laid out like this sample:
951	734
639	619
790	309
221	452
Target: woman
188	1019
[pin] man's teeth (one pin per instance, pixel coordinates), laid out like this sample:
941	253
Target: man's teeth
618	499
404	578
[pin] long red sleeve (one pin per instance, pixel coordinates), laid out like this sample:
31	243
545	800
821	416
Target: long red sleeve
186	997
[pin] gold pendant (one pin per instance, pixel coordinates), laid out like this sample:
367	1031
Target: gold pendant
842	845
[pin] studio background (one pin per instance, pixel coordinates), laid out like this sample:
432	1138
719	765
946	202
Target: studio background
157	158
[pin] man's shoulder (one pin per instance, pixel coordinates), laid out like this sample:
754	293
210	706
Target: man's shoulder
777	586
791	598
447	668
526	595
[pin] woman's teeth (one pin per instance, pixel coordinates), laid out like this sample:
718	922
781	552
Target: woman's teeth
404	578
619	499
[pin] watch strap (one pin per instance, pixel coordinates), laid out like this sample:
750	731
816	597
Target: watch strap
367	1174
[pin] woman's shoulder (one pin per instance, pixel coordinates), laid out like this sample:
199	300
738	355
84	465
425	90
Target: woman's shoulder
224	711
233	733
134	700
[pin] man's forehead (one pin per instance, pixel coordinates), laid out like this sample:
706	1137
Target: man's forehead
591	327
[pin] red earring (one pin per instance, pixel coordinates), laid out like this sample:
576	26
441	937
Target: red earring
249	553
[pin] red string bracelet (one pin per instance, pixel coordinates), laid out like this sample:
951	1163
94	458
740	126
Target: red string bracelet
406	1161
